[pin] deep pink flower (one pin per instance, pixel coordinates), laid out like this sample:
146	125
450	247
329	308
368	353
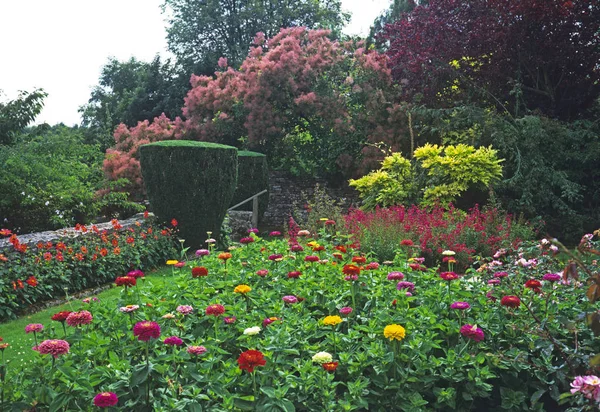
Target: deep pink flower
202	252
372	266
106	399
229	319
34	327
552	277
253	230
472	332
296	248
395	276
493	282
215	310
500	274
294	274
146	330
54	347
268	321
76	319
136	274
460	305
196	350
350	278
173	341
290	299
405	285
262	273
276	256
345	311
311	258
449	276
275	233
246	240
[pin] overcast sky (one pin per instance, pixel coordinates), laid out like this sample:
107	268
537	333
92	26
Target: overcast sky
61	45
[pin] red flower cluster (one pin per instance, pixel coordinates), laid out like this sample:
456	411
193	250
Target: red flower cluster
251	359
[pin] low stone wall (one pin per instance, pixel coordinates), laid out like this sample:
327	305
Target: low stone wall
286	190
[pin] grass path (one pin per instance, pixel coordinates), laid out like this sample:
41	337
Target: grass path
19	352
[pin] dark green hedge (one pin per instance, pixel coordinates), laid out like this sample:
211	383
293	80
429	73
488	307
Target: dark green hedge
192	182
253	177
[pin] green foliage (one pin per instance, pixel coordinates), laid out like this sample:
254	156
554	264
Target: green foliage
48	180
192	182
392	184
453	169
16	114
253	177
316	206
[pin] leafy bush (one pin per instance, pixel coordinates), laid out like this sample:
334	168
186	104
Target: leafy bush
434	230
394	351
29	275
314	210
253	177
48	181
192	182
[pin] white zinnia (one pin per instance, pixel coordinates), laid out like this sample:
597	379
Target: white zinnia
322	357
252	331
448	253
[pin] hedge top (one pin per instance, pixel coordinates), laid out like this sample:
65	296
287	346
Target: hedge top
247	153
190	144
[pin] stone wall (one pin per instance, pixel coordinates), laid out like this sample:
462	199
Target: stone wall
285	190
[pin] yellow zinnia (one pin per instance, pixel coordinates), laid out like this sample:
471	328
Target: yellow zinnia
172	262
243	289
394	332
332	320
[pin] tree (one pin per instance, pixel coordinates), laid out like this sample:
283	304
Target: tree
397	9
132	91
202	31
16	114
519	56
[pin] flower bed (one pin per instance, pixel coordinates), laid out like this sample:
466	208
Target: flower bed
30	274
322	327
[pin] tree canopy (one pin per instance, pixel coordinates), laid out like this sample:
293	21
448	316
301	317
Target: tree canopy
16	114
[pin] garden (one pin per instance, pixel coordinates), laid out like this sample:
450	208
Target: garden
461	274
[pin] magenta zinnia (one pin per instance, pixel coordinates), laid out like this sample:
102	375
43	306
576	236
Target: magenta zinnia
460	305
54	347
448	276
106	399
146	330
34	327
472	332
173	341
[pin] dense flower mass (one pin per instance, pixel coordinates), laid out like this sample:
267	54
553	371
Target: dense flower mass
106	399
251	359
54	347
394	332
472	332
146	330
81	318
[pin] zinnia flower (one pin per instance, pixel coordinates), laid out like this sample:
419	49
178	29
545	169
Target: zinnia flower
276	257
332	320
136	274
76	319
311	258
146	330
196	350
215	310
405	285
246	240
448	253
168	316
449	276
345	311
291	299
322	357
372	266
275	233
61	316
54	347
173	341
34	327
359	259
534	285
493	282
303	232
510	301
268	321
262	273
229	319
185	309
460	305
106	399
125	281
253	230
255	330
406	242
351	270
296	248
294	274
394	331
395	276
500	274
552	277
199	271
202	252
172	262
224	256
251	359
472	332
129	308
243	289
330	366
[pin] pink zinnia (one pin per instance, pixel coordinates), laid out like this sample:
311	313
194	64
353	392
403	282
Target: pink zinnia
262	273
345	311
276	256
196	350
246	240
185	309
405	285
472	332
372	266
493	282
293	274
173	341
34	327
229	319
54	347
76	319
146	330
290	299
460	305
136	274
395	276
296	248
179	264
448	276
253	230
311	258
106	399
275	233
500	274
202	252
552	277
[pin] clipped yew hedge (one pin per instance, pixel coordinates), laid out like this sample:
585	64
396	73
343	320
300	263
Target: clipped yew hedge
253	177
192	182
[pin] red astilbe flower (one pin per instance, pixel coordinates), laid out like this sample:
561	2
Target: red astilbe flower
251	359
199	271
146	330
510	301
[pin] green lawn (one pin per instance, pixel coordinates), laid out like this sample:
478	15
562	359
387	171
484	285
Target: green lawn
19	352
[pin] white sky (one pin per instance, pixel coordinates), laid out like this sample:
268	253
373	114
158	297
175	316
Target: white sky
61	45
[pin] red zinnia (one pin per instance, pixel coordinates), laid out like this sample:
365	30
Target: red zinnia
534	285
61	316
125	281
146	330
359	259
32	281
448	276
406	242
199	271
311	258
318	248
294	274
215	310
250	359
351	270
174	222
330	366
510	301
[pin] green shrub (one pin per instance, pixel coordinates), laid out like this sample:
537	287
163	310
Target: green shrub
253	177
192	182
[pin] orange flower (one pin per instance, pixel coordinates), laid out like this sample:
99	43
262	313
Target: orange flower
115	242
224	256
359	259
330	366
84	250
351	270
130	240
117	251
3	258
5	232
146	214
103	251
174	222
